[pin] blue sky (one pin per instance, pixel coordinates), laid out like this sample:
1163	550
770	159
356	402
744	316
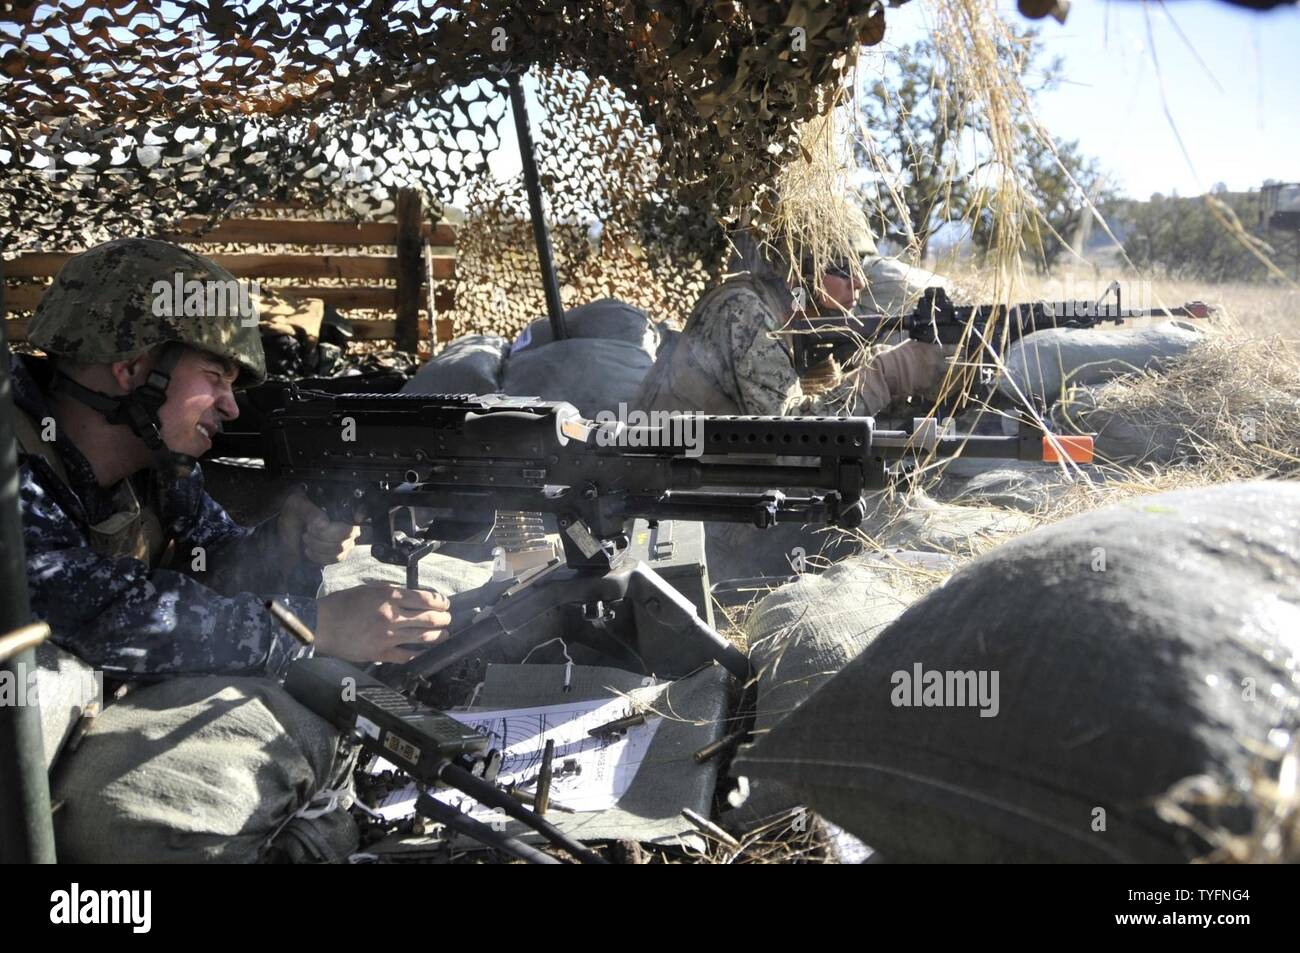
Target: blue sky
1236	107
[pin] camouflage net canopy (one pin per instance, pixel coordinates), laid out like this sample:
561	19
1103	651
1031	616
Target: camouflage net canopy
664	118
614	232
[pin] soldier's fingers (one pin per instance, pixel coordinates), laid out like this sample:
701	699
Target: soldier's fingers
299	505
324	555
327	532
421	599
316	551
428	619
395	655
326	546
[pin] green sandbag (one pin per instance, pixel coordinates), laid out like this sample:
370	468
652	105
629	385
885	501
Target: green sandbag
1133	648
799	637
205	769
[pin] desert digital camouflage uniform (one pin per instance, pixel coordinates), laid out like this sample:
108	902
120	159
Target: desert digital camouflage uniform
732	359
114	577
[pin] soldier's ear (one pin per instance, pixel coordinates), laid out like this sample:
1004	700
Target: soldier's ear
129	375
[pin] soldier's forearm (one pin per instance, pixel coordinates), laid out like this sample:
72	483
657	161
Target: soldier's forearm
256	562
123	619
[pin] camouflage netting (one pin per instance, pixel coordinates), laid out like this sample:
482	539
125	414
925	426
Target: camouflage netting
614	233
122	117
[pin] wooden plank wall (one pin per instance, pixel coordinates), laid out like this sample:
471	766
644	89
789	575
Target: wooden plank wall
422	255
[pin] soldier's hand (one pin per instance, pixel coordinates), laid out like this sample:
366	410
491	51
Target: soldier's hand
366	624
306	533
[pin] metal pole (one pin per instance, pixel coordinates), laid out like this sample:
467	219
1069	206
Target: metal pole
525	136
26	825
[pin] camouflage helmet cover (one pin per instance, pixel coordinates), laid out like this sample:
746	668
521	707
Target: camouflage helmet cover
109	304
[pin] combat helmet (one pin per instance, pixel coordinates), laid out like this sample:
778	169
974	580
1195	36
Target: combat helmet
121	299
849	250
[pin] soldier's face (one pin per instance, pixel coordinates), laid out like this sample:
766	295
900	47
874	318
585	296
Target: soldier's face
838	293
200	398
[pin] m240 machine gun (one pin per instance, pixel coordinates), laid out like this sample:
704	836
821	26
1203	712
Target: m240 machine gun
456	460
937	319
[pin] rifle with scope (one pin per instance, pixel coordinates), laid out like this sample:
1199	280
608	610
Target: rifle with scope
427	468
937	319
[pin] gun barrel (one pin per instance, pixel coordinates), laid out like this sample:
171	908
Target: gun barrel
771	509
1031	445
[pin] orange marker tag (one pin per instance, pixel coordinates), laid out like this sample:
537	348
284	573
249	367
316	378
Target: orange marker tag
1075	449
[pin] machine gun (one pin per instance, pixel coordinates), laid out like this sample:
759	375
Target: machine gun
426	468
937	319
431	747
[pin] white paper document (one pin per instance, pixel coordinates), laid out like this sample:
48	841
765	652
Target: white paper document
587	774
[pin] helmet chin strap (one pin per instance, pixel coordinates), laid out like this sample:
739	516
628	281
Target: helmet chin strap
139	410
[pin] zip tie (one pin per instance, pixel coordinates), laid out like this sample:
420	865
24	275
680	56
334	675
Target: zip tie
334	798
567	686
474	697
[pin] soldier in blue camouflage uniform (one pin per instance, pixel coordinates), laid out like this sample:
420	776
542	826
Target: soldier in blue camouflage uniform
136	569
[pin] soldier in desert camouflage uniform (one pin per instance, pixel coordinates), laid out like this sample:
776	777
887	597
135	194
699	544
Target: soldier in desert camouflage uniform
136	569
731	358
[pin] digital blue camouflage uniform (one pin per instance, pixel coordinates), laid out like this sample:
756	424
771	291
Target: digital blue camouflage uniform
128	620
99	586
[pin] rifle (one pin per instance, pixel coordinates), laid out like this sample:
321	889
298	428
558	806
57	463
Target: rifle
937	319
424	468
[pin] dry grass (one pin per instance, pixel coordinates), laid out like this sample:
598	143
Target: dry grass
1273	795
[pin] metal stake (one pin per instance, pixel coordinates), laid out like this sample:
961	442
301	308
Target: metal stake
26	827
529	161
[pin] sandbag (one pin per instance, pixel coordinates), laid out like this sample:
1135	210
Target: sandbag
927	525
1042	364
1008	488
469	365
740	551
799	636
608	319
917	523
206	769
1121	651
1008	484
66	688
592	374
1120	438
894	287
